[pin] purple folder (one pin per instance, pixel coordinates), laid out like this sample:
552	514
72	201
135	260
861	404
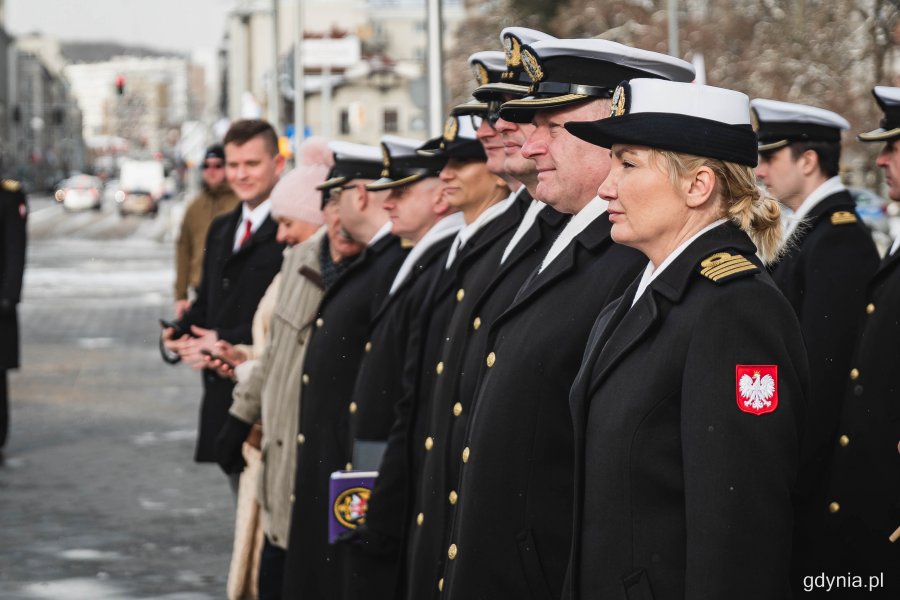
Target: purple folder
349	493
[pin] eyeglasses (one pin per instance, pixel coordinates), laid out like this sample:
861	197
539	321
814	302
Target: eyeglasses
207	165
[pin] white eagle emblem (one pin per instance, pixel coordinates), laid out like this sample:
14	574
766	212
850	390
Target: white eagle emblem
757	391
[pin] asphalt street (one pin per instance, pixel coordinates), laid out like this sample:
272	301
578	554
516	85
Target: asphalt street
99	497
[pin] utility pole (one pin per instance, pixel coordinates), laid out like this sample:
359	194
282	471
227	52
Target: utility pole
435	69
299	83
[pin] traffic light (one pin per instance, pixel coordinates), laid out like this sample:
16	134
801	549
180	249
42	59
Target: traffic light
120	84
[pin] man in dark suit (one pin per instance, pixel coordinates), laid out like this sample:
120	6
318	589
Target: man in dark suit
855	520
828	259
511	508
13	216
313	567
242	257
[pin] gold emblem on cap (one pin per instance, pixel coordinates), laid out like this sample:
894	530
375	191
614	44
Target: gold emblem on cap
385	161
481	74
451	127
512	47
532	66
619	102
754	119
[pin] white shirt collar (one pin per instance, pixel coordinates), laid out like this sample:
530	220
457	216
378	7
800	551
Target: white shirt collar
650	273
466	233
894	246
449	225
528	220
829	187
385	230
256	217
576	225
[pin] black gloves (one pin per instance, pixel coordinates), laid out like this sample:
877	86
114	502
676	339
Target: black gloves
369	541
230	443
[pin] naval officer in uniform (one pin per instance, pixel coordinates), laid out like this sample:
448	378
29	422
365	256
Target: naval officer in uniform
858	516
511	508
690	401
13	217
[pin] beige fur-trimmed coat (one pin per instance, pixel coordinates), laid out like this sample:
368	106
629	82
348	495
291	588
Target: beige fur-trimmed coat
272	391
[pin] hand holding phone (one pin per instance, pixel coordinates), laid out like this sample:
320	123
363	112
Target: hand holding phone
214	356
176	330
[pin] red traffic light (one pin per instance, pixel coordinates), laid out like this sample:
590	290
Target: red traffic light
120	84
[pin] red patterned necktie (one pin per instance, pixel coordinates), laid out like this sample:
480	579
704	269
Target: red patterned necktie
247	234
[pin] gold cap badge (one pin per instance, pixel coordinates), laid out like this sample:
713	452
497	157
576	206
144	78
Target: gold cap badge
451	127
532	66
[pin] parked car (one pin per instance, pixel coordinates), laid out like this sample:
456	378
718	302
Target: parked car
81	192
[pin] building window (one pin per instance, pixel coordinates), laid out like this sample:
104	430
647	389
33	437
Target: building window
391	120
345	121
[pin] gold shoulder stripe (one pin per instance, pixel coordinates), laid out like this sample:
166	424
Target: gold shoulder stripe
406	244
721	266
843	217
11	185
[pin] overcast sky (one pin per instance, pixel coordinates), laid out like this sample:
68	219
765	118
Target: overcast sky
181	25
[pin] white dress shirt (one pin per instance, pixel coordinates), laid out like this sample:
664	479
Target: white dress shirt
256	218
578	223
829	187
466	233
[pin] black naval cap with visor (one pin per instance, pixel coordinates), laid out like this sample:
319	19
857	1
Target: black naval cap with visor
888	99
401	164
487	67
351	161
694	119
779	124
457	142
567	72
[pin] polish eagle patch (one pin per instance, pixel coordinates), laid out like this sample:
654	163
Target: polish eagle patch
757	388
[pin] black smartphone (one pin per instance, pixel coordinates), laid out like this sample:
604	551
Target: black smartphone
166	324
214	356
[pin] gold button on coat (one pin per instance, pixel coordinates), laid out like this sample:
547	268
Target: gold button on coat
844	441
368	346
854	374
491	359
348	467
457	409
420	518
476	324
466	454
460	294
441	584
301	439
452	551
439	368
293	498
834	507
870	308
429	443
352	408
305	379
452	497
319	322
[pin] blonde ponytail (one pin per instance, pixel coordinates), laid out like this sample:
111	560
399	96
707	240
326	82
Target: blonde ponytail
748	207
